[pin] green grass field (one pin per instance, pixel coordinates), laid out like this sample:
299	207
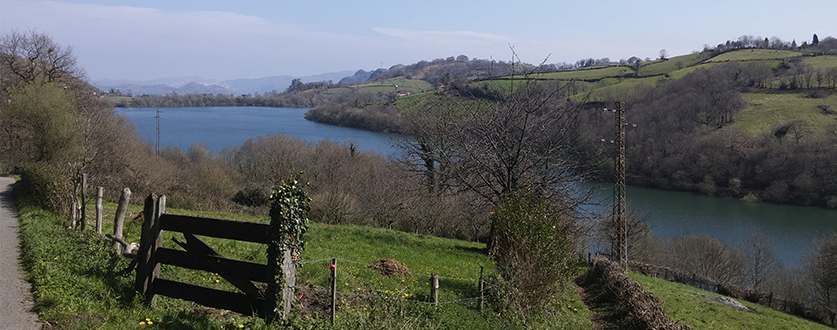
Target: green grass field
754	54
596	73
821	62
689	305
765	112
670	65
79	284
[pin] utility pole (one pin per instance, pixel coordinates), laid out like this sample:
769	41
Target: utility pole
619	203
157	146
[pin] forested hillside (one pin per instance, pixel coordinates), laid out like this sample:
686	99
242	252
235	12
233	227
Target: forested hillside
750	118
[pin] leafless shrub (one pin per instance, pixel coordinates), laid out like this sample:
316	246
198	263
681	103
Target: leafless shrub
707	257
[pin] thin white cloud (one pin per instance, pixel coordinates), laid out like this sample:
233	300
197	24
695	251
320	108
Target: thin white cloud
136	42
442	37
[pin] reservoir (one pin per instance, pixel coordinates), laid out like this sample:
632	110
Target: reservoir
219	127
791	230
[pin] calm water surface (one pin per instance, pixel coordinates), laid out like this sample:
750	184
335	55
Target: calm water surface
790	229
217	127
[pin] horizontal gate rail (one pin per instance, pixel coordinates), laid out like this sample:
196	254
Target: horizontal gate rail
233	301
235	230
214	264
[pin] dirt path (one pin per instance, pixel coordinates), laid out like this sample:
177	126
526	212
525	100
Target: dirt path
15	301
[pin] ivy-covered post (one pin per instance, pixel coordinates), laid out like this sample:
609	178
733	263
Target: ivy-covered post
288	223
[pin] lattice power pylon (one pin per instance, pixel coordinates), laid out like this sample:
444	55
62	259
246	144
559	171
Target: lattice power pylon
619	202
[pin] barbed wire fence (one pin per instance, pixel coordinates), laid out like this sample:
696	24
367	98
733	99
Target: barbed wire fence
473	289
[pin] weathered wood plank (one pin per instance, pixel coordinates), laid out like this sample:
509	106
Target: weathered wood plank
215	264
236	230
235	302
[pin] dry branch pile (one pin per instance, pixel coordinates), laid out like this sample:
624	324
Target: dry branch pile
635	307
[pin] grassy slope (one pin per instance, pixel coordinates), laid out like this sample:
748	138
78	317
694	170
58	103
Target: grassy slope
766	111
689	305
594	73
670	65
78	284
387	86
821	62
754	55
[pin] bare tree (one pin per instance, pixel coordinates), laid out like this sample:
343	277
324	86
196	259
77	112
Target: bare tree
821	268
29	57
706	256
642	245
759	260
493	148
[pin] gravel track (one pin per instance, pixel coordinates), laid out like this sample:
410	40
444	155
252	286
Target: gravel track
15	297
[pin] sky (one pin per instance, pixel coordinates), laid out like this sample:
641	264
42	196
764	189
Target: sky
213	39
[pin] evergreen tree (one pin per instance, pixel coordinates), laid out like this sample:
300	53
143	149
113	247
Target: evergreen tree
816	40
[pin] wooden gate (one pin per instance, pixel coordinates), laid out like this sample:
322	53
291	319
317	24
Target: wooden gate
199	255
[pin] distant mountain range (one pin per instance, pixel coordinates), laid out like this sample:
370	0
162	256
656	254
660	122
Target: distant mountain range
198	85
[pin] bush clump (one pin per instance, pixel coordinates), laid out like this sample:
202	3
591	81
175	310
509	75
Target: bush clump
533	249
46	186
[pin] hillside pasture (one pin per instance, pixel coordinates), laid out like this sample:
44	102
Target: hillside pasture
821	62
767	111
659	67
588	74
395	84
754	55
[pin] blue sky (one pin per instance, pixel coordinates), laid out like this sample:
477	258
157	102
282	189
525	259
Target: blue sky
150	39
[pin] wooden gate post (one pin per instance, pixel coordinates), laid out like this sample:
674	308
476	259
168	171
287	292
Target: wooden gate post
157	236
289	270
152	237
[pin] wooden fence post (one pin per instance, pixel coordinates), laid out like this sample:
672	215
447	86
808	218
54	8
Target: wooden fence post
333	289
434	290
83	201
482	286
119	220
146	241
99	193
74	212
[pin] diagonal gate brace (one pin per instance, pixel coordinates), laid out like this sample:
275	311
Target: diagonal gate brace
195	245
